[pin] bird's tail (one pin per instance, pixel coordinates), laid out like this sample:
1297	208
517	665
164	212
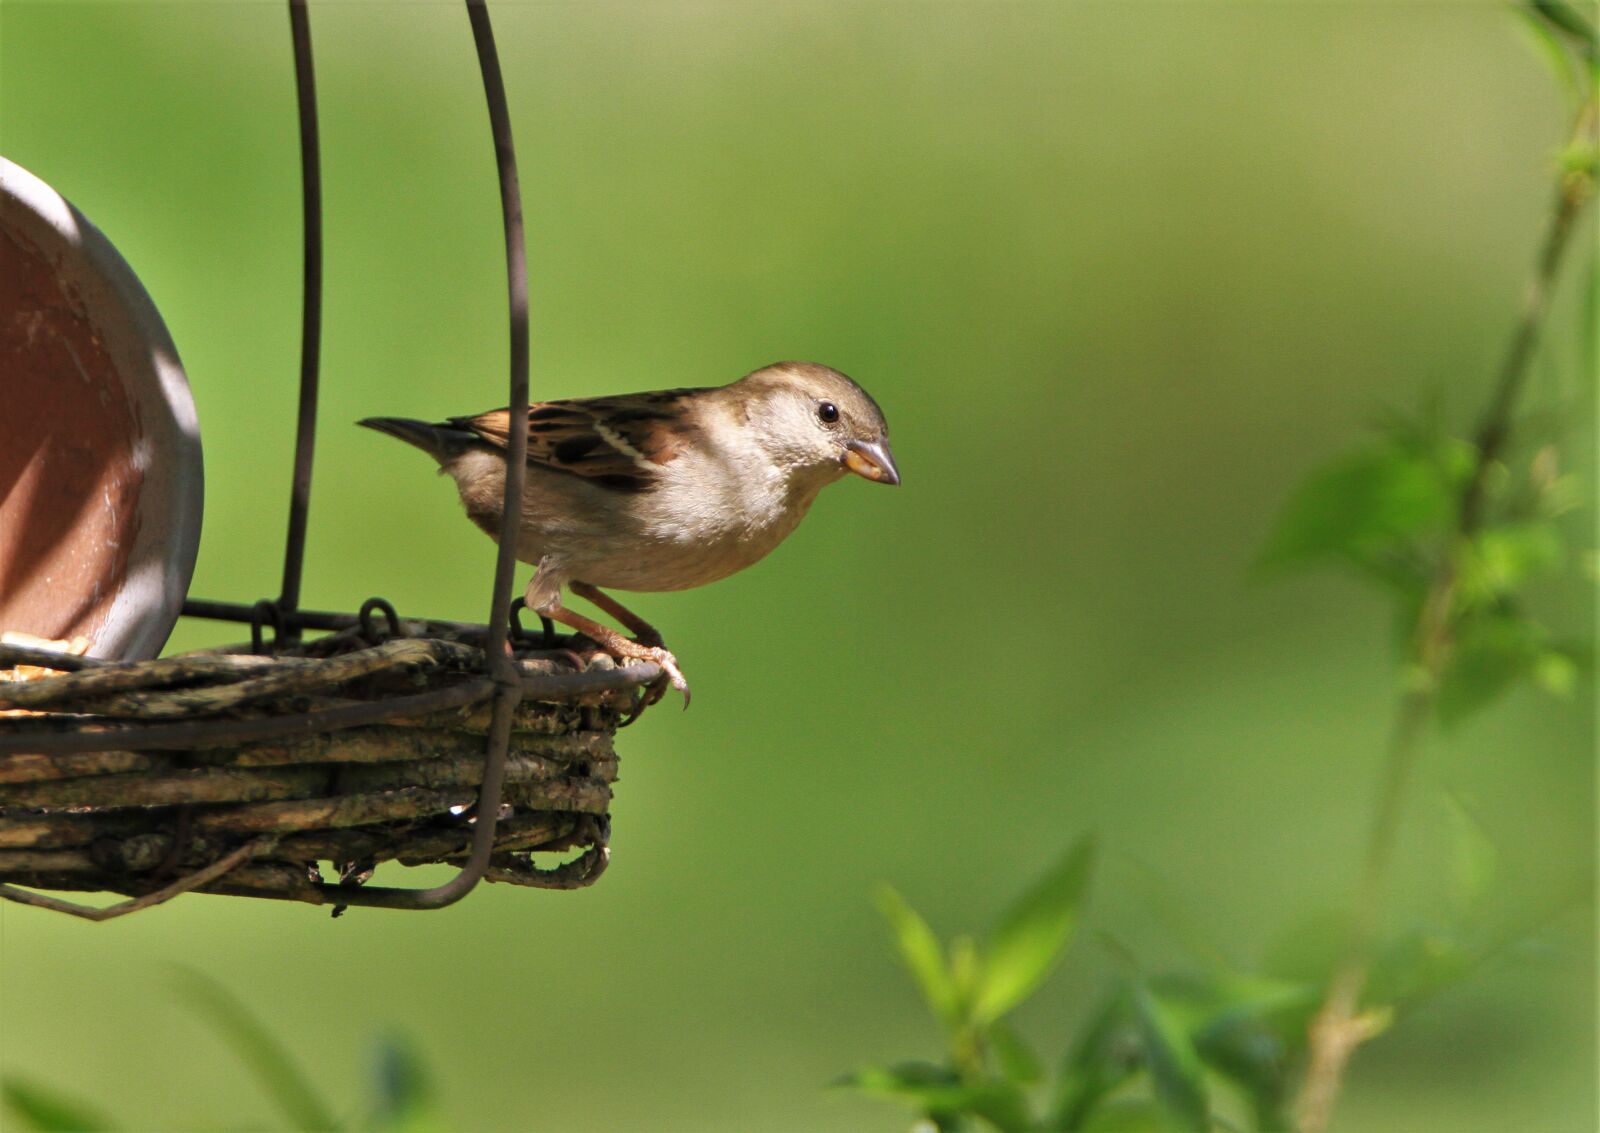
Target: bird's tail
442	442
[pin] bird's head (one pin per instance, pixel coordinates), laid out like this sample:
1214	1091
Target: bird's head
817	421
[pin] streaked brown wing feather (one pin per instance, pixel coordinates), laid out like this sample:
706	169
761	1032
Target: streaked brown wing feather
616	442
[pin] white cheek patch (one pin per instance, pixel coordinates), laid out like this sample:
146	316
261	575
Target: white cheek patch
617	441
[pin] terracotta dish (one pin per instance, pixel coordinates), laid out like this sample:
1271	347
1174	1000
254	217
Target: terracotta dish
100	469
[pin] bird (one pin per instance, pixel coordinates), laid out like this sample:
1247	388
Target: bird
665	490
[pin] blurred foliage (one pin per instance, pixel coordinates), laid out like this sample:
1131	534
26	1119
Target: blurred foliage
969	991
1565	37
44	1109
268	1060
1439	519
401	1092
1196	1049
1388	512
1433	519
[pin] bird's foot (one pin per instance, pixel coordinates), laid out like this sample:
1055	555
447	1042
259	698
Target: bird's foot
670	674
647	647
623	650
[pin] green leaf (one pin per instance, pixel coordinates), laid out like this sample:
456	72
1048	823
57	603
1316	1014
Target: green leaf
268	1059
404	1092
923	1086
1200	1001
1255	1058
1129	1115
966	970
1563	16
1367	505
921	953
1544	41
1581	157
904	1079
1175	1067
1032	935
1493	651
1504	558
1474	859
1245	1026
1006	1108
1105	1056
44	1110
939	1091
1017	1061
1556	671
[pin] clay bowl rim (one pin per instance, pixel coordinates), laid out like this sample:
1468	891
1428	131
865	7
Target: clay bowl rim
160	565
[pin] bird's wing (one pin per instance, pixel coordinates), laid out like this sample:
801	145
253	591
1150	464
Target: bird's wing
615	442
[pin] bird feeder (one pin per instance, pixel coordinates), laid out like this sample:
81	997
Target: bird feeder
244	769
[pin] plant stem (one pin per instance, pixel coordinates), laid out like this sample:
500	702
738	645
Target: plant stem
1340	1026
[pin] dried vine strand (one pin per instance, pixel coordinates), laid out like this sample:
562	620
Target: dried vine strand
376	744
519	832
193	786
261	676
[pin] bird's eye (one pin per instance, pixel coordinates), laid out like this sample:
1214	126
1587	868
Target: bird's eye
828	412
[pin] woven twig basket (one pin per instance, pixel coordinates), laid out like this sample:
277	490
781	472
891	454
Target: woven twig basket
230	772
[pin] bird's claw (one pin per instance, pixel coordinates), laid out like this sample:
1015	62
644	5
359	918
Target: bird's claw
653	692
670	674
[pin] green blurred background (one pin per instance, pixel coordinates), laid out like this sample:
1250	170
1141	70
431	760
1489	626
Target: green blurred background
1120	275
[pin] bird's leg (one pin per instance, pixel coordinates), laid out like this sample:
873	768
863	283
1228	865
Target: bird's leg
643	630
613	642
621	647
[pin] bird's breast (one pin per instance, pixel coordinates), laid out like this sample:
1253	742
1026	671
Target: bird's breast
703	520
691	532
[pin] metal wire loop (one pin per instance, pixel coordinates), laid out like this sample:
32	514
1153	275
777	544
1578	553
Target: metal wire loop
262	612
520	633
373	634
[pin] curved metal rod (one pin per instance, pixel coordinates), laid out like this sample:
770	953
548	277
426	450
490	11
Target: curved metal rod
305	439
217	869
502	669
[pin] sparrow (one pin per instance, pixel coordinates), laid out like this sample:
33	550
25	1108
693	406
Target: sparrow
665	490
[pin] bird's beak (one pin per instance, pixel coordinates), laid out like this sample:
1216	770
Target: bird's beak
873	460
